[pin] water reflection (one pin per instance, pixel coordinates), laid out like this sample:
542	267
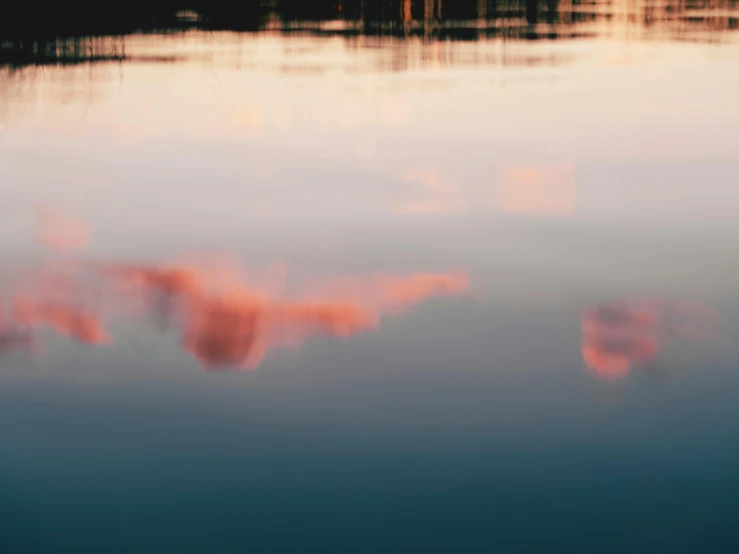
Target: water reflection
59	231
438	195
224	322
63	51
222	318
67	36
68	320
13	338
546	189
622	335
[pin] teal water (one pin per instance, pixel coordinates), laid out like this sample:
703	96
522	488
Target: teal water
578	396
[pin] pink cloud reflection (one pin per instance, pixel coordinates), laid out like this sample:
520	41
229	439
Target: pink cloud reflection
622	335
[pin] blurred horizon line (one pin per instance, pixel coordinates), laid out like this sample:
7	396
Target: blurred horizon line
27	33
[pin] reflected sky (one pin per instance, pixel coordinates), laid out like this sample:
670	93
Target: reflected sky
620	335
530	156
223	320
479	275
447	140
218	141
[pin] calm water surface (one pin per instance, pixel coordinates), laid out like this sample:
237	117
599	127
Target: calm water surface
328	292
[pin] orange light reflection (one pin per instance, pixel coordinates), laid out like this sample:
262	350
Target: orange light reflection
619	336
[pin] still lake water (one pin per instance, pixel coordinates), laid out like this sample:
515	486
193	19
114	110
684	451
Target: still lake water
499	278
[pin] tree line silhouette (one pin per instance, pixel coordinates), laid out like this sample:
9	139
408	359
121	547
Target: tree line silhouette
21	20
60	32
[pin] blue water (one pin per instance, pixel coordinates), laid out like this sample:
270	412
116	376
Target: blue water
469	423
